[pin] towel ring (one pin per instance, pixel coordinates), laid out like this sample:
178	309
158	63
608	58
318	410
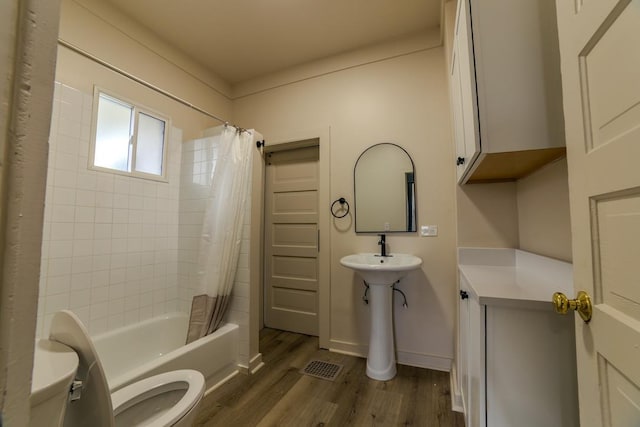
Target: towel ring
342	202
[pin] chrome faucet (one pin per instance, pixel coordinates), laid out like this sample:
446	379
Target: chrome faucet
383	245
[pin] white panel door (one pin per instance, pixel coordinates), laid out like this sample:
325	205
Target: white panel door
600	57
291	240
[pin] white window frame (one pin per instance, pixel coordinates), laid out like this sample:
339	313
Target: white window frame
137	109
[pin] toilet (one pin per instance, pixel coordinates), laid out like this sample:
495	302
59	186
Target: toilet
167	399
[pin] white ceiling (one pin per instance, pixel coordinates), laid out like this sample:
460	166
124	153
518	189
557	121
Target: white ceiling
242	39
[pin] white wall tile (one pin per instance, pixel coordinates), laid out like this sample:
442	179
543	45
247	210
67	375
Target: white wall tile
64	196
82	231
101	262
86	198
105	182
82	247
61	231
85	214
58	285
79	298
80	281
109	242
102	231
61	213
104	199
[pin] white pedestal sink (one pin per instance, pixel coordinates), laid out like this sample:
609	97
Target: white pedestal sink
380	273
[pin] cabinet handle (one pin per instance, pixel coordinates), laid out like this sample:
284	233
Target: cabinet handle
464	295
460	161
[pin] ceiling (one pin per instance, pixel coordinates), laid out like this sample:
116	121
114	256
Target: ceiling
242	39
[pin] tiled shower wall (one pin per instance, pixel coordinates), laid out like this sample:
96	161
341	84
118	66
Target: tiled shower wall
116	249
110	242
198	161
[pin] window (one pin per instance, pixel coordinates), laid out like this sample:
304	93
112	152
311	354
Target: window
128	139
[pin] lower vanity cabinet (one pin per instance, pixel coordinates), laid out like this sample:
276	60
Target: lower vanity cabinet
516	363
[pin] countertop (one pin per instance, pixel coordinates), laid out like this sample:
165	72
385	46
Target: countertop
514	278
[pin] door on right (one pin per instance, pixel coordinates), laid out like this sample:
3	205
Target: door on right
600	60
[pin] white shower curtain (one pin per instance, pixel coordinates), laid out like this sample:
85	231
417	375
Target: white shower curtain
221	230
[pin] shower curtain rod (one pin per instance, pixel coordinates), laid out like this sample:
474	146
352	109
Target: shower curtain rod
144	83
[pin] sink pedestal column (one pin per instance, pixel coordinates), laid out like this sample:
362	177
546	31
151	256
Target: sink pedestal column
381	362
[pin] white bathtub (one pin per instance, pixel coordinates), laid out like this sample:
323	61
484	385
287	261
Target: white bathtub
156	345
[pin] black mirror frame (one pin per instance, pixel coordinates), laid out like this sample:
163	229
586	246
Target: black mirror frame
412	211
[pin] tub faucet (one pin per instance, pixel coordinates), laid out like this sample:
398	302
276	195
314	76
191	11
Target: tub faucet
383	245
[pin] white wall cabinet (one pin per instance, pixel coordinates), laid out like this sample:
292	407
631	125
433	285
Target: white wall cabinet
516	356
505	89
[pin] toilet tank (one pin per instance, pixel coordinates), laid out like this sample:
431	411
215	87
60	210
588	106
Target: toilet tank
54	368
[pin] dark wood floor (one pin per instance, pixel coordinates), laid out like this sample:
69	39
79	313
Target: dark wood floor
279	395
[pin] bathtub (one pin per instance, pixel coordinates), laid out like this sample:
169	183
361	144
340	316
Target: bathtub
156	345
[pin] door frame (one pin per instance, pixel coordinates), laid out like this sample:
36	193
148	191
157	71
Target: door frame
291	140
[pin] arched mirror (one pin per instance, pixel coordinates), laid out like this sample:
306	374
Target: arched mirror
384	188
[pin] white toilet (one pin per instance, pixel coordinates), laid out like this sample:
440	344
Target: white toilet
168	399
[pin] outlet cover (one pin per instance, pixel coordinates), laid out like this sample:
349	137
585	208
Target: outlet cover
428	230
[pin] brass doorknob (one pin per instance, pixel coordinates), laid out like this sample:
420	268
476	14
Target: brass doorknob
582	304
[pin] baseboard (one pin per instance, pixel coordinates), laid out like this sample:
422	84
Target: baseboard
351	349
221	382
420	360
456	397
254	365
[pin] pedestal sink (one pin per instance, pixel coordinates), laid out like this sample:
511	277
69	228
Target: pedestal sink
380	273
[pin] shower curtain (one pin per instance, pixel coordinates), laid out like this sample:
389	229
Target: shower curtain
221	230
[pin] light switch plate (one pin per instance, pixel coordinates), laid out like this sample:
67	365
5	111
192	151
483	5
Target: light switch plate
429	230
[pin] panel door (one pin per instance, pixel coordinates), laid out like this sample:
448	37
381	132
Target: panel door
600	57
291	240
468	93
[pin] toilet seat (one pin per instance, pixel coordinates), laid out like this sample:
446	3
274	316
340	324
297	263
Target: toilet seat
185	379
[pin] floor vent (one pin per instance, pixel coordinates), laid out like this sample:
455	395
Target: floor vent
321	369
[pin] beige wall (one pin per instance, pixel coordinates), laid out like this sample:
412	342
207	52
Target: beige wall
102	31
543	212
402	99
487	215
531	214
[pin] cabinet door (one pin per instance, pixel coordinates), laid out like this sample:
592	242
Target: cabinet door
468	95
471	356
463	345
477	356
456	111
531	350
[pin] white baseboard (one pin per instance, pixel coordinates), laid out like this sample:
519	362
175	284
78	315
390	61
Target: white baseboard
221	382
254	365
420	360
456	397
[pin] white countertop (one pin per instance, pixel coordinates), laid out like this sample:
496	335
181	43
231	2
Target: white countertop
511	277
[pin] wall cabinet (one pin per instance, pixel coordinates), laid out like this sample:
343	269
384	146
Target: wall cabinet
516	356
505	89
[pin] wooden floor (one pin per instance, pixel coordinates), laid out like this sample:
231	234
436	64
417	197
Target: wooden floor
279	395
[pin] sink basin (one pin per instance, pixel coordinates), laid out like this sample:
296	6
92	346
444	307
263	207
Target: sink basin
378	270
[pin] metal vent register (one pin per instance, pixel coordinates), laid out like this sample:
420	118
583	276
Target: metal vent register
321	369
